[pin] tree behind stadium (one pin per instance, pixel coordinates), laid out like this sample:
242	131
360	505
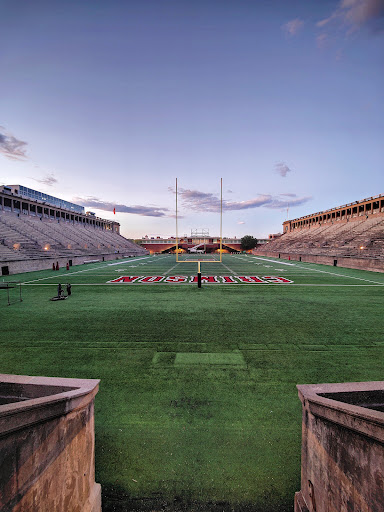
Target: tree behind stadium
248	242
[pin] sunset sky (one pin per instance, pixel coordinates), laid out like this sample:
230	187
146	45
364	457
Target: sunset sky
105	103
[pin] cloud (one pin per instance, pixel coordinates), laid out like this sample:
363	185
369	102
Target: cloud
278	203
241	222
199	201
145	211
339	55
206	202
357	14
10	147
260	200
288	195
49	180
292	27
322	40
282	169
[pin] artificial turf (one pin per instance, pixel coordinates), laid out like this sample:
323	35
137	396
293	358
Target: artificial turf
197	408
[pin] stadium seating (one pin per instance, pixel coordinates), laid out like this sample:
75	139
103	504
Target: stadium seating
23	237
361	237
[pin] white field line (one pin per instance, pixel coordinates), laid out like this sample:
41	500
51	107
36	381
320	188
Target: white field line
287	285
125	261
232	271
342	275
170	270
71	273
326	272
274	261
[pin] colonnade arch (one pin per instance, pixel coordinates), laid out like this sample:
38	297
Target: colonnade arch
365	207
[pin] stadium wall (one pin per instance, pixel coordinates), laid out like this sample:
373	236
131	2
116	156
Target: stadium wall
363	208
342	453
47	445
30	265
12	201
357	263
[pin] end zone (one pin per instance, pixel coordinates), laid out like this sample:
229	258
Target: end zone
177	279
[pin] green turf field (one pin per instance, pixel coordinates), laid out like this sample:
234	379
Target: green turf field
197	408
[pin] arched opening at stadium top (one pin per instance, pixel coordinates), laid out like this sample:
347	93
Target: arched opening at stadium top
192	245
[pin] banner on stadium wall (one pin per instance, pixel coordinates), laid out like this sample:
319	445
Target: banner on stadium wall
204	279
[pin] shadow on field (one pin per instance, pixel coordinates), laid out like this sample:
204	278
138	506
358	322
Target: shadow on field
115	499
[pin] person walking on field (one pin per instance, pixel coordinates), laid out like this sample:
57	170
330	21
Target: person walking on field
69	289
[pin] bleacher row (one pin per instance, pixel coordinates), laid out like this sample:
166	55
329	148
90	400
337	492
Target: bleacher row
26	237
363	238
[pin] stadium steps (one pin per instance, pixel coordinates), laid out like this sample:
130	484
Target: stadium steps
341	238
39	237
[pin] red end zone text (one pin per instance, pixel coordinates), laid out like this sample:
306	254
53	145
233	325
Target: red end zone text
204	280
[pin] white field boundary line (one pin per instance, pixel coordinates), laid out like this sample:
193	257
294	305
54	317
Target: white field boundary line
343	275
286	285
170	270
69	273
132	260
274	261
325	272
232	271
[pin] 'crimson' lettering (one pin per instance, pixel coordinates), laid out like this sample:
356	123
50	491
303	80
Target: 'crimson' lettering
125	279
204	279
176	279
228	279
275	279
250	279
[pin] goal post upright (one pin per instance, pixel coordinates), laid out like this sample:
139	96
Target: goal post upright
221	232
221	220
177	236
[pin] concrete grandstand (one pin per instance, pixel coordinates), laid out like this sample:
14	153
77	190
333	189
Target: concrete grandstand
350	236
192	244
37	230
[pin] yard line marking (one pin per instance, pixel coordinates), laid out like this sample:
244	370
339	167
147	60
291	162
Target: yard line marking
342	275
170	270
274	261
324	271
77	271
63	275
122	262
232	271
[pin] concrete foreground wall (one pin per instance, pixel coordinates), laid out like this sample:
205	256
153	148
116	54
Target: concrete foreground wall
342	466
47	445
358	263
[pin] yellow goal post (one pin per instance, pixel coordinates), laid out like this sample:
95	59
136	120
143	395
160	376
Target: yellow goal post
198	261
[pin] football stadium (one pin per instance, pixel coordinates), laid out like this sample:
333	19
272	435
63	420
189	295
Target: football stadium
198	354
